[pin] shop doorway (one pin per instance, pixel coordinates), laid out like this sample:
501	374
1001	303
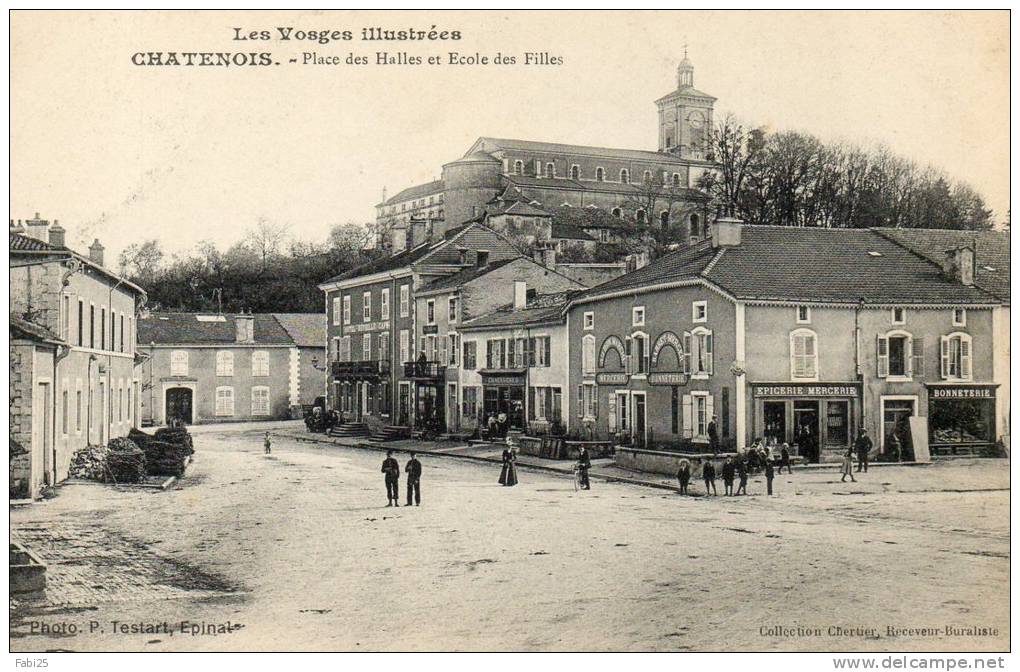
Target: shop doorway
805	429
452	407
897	441
506	399
639	419
179	402
775	421
404	405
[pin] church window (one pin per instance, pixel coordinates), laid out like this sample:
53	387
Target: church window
625	176
664	219
575	172
695	231
600	174
676	180
641	215
647	177
617	212
518	167
550	170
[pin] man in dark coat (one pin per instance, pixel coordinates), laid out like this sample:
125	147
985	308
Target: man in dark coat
392	473
713	436
708	474
742	473
413	471
729	471
863	447
583	465
770	473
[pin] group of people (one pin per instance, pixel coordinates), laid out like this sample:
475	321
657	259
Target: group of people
862	446
391	472
732	470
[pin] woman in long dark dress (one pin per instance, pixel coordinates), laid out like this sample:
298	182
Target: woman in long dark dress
508	475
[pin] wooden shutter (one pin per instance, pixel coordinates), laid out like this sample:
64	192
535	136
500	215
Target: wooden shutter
488	354
883	356
965	369
944	357
628	348
686	363
595	401
547	345
917	356
611	406
709	355
531	403
580	401
688	415
709	409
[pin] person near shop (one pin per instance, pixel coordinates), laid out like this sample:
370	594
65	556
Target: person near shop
770	474
863	447
268	444
742	474
784	459
413	471
503	421
583	465
895	446
729	472
708	474
391	471
683	474
713	436
491	426
508	475
848	466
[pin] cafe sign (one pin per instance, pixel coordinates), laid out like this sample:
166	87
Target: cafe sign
611	378
962	392
805	389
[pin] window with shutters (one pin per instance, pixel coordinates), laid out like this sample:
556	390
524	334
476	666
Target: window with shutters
260	400
453	349
470	403
224	401
336	310
588	401
588	355
347	309
899	355
366	306
470	358
366	346
384	347
224	363
405	345
179	363
803	355
405	300
956	357
260	363
384	304
699	356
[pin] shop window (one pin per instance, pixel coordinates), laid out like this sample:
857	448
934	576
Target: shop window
803	355
837	423
956	357
955	422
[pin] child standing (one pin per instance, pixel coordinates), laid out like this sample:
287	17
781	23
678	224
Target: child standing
848	466
268	444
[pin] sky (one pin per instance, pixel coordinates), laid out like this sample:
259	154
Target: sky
123	152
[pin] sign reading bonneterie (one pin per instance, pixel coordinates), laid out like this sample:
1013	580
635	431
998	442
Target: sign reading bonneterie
805	389
962	392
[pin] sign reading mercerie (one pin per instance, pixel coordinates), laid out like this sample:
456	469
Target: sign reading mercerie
806	390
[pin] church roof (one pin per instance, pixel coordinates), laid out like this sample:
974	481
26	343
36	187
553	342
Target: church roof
576	150
688	92
414	192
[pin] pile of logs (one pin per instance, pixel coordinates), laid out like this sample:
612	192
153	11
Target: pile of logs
119	462
166	453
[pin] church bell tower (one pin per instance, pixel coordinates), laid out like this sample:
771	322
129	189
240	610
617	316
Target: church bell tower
685	115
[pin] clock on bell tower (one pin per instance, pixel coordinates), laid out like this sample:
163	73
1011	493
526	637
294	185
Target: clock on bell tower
685	116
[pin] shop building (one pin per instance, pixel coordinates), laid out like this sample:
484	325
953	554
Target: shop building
799	335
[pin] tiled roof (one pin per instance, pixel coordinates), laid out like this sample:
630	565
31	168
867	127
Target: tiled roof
563	231
414	192
633	190
187	329
515	318
991	263
525	210
465	276
307	330
383	264
580	150
21	242
22	328
804	264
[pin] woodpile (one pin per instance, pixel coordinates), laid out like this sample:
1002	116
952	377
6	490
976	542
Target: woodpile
166	453
119	462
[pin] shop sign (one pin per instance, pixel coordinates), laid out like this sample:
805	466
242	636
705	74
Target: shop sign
611	378
502	378
667	378
962	392
366	326
804	389
430	329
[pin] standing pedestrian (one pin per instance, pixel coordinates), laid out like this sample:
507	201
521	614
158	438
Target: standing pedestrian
268	444
770	473
391	470
583	465
508	475
863	447
713	436
784	459
729	472
848	466
708	474
742	473
413	471
491	426
683	475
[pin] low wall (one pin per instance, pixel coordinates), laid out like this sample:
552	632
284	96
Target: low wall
663	462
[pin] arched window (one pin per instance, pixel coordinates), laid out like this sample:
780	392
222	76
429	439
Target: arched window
956	356
575	172
600	174
803	355
640	215
617	212
550	170
518	167
647	177
664	219
625	176
900	355
695	228
588	354
676	180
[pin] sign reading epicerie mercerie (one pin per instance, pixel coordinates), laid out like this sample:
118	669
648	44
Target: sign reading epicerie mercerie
805	389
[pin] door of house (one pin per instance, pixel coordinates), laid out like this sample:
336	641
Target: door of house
452	407
102	414
42	439
896	414
362	401
404	405
639	419
179	405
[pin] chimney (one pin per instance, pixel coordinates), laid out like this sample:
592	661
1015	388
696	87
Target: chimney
245	328
726	232
520	294
57	235
38	228
96	252
481	258
959	265
18	228
549	258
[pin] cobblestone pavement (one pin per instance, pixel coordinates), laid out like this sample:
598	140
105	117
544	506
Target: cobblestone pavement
297	551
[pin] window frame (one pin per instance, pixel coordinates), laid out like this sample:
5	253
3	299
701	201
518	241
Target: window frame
588	321
366	306
405	300
224	362
793	367
903	316
962	321
694	312
268	400
257	357
346	308
452	305
807	318
384	303
634	321
216	401
588	368
430	311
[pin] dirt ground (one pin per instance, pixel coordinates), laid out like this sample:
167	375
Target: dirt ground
297	551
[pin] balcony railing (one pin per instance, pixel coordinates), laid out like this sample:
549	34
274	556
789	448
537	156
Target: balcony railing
363	369
422	370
